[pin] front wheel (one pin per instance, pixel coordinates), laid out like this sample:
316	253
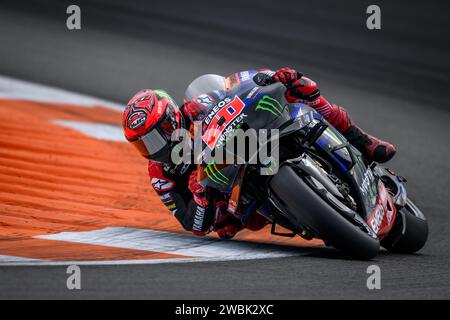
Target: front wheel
307	207
410	231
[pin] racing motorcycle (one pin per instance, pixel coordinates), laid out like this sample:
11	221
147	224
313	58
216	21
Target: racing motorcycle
324	188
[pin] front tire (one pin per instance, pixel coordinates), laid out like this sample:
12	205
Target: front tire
308	208
410	231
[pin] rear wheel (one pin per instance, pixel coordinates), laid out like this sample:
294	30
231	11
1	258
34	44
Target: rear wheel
308	208
410	231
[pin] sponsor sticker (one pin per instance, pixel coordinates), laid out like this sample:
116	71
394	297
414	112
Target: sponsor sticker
244	76
219	118
367	182
161	185
198	218
253	92
205	100
136	119
377	218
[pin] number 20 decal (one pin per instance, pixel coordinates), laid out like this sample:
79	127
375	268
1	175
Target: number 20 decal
221	120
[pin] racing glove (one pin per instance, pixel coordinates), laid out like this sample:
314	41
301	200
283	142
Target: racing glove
225	224
198	192
213	219
298	87
304	89
286	75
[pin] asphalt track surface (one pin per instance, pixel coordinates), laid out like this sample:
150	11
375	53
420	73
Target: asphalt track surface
394	82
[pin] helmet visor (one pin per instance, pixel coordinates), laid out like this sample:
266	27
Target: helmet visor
151	143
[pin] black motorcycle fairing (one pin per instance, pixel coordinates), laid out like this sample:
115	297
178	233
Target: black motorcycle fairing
267	108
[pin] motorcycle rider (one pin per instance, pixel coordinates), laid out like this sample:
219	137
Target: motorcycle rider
151	116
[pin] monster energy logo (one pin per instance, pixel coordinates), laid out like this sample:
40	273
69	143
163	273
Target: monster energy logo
215	175
270	104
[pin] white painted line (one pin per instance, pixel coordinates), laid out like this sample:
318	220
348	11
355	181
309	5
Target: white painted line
11	88
4	259
96	130
32	263
174	243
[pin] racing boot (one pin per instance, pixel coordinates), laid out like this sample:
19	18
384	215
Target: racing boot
372	148
307	92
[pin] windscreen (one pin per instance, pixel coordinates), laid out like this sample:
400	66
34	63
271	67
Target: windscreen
204	84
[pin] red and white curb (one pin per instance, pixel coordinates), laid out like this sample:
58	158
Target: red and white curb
191	248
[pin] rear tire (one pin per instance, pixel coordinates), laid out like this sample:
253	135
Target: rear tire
410	231
308	208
